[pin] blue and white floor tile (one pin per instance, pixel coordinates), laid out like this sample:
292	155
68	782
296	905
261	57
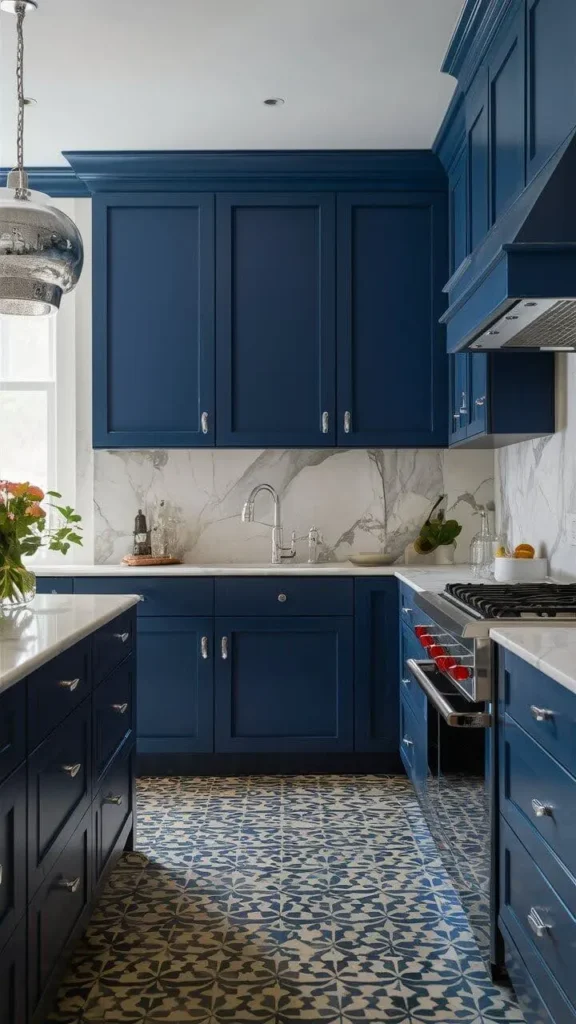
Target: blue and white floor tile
268	900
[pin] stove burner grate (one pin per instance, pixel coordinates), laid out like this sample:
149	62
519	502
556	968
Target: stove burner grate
516	600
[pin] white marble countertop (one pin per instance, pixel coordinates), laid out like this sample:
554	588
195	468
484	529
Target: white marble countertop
552	650
420	577
50	624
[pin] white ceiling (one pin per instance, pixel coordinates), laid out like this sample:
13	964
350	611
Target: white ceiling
192	74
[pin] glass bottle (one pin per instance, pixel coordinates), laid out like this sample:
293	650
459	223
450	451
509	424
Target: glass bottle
482	549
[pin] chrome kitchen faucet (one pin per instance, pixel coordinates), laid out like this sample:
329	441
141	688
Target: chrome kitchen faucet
278	551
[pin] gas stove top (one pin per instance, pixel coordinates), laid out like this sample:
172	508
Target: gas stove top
515	600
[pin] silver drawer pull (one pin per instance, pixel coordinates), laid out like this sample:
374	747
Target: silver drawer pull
110	799
204	422
1	871
224	648
120	708
282	598
481	401
405	682
541	714
407	611
69	884
325	422
407	742
71	769
122	636
541	810
204	647
69	684
347	422
538	926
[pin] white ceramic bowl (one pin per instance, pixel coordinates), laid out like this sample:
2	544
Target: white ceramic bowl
520	570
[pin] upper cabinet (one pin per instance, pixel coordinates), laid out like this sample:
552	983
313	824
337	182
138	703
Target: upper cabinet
275	296
153	320
477	120
392	379
507	107
551	78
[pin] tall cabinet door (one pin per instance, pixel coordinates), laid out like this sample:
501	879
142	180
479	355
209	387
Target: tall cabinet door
275	320
284	685
175	685
153	320
392	364
376	665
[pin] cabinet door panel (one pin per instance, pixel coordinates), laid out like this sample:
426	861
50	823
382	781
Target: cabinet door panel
458	213
284	685
478	396
275	319
12	852
13	979
507	106
153	320
551	78
12	728
376	665
459	396
392	265
477	158
175	686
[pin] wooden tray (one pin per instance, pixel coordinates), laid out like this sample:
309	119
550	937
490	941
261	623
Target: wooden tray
150	560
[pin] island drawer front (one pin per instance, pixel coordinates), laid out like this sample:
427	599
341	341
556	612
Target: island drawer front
113	714
13	978
527	693
162	595
112	806
54	585
412	691
534	784
540	997
284	596
56	912
56	689
59	791
12	728
528	903
12	852
112	644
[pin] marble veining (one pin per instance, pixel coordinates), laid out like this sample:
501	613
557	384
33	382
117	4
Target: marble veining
50	624
360	500
553	651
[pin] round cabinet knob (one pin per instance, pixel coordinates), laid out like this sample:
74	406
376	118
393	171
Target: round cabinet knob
282	598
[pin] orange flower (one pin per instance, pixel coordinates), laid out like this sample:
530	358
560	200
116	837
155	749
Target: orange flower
35	492
36	511
18	490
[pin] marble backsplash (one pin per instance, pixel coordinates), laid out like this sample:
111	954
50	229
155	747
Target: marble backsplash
536	481
359	500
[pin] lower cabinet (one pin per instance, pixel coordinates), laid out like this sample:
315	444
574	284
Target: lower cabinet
13	978
284	685
12	854
376	665
112	808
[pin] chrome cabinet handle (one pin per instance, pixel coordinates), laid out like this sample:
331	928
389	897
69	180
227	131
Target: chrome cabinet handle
116	800
542	810
407	611
204	647
464	404
457	416
122	636
347	422
405	682
71	769
204	422
224	648
541	714
69	684
120	708
407	742
1	870
325	422
538	926
481	400
282	598
69	884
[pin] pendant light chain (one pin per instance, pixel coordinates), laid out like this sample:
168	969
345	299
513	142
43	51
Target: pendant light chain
21	190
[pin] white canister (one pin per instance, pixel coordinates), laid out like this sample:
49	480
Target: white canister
520	570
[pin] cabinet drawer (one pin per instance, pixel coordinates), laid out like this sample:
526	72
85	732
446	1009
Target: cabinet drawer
413	744
112	807
13	978
410	614
56	689
112	644
54	585
159	596
544	708
12	852
55	915
12	728
414	693
281	595
528	903
535	785
113	714
59	791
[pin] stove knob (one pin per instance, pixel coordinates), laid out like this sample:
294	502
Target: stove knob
427	641
446	662
420	630
436	651
459	673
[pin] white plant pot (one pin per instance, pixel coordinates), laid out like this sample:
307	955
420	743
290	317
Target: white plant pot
444	555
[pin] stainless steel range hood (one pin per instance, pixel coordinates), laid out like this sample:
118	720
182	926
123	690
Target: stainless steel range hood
518	288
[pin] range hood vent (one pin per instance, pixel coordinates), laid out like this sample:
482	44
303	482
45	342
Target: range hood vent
518	288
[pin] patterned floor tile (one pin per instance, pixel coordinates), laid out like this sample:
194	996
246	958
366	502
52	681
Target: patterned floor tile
270	900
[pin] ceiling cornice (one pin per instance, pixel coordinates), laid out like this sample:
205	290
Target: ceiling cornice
477	26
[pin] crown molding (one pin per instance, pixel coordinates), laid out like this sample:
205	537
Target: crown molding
479	22
58	182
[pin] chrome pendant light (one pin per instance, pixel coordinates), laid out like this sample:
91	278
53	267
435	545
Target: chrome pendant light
41	251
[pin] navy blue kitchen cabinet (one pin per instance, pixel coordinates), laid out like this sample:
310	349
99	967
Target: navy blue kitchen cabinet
12	853
175	685
153	320
551	78
275	297
54	585
13	978
477	123
507	101
392	259
284	685
375	667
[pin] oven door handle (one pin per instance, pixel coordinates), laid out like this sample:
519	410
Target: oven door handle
457	719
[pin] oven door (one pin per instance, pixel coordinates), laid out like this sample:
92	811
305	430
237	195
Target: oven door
456	799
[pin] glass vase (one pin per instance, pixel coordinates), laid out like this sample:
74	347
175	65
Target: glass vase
17	585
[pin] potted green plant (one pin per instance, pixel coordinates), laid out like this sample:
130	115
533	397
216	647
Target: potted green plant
25	525
438	534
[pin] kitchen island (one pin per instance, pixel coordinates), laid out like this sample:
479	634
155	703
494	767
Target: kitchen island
67	696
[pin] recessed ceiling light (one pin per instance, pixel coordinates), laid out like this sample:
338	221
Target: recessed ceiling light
274	101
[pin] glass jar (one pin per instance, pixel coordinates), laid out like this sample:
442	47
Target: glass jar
17	585
482	549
